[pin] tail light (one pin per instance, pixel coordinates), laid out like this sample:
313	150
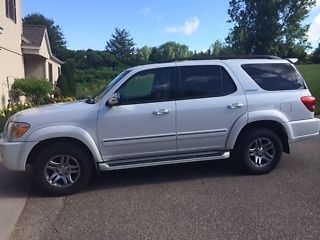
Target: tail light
309	102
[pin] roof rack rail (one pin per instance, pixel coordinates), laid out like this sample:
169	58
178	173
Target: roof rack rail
220	58
251	57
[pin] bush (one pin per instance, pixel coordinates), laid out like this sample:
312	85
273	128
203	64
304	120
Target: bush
36	90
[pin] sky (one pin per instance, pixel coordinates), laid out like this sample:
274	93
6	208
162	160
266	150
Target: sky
89	24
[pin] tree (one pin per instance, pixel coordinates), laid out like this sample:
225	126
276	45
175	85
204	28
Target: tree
66	82
316	55
169	51
218	49
57	40
155	55
121	46
173	50
144	53
269	26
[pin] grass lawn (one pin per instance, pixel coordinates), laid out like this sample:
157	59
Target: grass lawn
311	74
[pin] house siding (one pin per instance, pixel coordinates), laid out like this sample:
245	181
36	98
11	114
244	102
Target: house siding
11	59
35	66
55	70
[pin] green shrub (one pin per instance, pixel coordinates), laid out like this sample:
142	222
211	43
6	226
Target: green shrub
6	113
36	90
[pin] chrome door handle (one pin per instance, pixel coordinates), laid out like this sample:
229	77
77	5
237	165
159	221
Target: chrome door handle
235	105
161	111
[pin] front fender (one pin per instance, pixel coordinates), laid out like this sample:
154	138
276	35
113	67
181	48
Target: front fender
66	131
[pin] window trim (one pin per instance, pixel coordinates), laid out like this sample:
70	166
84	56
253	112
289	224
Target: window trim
172	89
14	17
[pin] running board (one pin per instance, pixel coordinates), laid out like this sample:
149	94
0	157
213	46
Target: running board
156	161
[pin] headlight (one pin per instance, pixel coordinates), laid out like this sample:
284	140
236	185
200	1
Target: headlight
17	129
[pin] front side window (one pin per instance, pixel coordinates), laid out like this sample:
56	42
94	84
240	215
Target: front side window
205	81
275	76
147	86
11	9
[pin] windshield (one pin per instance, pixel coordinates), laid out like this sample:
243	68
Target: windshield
108	87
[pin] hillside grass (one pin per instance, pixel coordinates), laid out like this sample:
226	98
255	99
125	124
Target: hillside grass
311	74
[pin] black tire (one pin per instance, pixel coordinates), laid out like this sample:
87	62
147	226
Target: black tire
258	151
68	166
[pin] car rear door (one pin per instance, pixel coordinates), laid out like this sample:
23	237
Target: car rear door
210	103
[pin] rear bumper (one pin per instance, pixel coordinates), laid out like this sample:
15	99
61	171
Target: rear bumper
13	155
301	130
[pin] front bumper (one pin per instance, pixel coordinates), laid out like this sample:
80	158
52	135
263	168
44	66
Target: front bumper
304	129
13	155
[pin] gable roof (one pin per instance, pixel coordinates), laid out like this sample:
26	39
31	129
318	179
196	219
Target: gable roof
33	34
32	39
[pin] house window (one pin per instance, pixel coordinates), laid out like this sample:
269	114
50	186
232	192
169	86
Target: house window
50	73
11	10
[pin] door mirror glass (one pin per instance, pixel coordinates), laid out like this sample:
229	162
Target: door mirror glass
113	100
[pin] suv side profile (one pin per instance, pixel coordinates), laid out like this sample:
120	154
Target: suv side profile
250	108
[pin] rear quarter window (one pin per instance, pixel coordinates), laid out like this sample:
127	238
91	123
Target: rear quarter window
275	76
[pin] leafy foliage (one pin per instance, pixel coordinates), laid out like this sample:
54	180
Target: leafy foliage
218	49
37	90
269	27
311	73
67	82
316	55
121	46
92	81
57	40
6	113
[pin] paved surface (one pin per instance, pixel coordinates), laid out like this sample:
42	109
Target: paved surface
13	195
188	201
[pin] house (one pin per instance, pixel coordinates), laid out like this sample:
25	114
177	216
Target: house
24	50
38	58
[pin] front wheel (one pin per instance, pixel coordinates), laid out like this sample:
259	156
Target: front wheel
62	169
258	151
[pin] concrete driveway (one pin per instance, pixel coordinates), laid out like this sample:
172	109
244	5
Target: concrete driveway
14	188
187	201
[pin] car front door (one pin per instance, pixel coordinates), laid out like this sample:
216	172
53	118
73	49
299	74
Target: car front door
143	124
210	103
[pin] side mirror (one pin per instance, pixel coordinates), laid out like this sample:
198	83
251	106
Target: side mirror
113	100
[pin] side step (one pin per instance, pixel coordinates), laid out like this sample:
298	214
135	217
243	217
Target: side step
162	160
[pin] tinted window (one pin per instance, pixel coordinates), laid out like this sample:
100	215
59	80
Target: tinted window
205	81
275	76
147	86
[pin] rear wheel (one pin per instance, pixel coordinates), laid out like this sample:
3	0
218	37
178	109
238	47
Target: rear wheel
62	169
258	151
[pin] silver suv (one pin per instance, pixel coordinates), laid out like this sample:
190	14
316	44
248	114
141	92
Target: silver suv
164	114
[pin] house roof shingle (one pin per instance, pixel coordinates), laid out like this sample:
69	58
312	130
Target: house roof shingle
34	35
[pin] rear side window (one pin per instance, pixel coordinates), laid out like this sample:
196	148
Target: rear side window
275	76
205	81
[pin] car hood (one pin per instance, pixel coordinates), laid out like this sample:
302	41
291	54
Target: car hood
67	113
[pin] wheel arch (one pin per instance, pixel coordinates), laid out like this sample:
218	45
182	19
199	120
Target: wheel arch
72	134
271	125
